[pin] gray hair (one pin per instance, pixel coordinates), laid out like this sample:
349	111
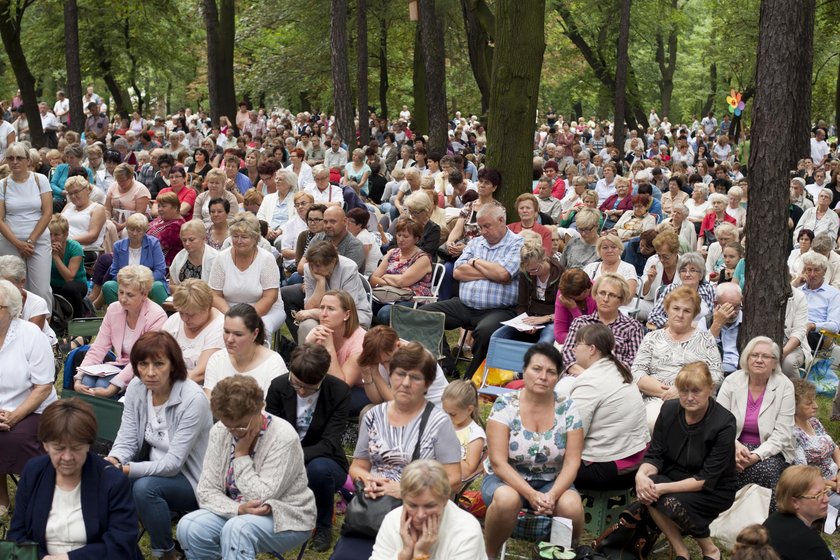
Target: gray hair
823	244
12	268
691	259
320	169
750	346
11	298
681	207
718	197
813	258
702	189
492	210
289	177
728	288
74	150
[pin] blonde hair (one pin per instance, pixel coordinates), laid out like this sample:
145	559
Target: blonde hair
694	375
615	280
136	275
531	252
215	174
193	294
137	221
195	226
79	181
462	394
795	481
245	222
425	474
59	225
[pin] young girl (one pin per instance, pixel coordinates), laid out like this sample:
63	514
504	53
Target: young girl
732	253
460	402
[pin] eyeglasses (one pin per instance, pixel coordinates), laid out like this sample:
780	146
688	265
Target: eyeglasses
315	220
691	271
817	496
15	158
586	229
402	374
240	237
298	386
301	204
607	295
73	193
416	212
239	431
763	357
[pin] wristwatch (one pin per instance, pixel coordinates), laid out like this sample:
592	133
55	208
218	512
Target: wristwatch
29	241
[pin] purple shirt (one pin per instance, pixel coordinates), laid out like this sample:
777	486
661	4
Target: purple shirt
750	434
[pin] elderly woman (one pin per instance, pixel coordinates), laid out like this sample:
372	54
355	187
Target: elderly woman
725	234
296	224
609	247
245	273
734	208
678	220
302	170
419	208
390	437
138	248
196	259
580	251
355	174
610	292
196	326
178	186
713	218
378	348
68	278
276	207
34	308
215	182
820	218
665	351
674	194
217	231
73	500
26	205
687	477
26	388
535	440
315	225
245	351
698	205
814	446
405	266
357	222
803	499
660	270
574	298
762	400
166	228
632	224
125	196
611	410
317	406
617	204
251	493
73	154
125	320
162	438
85	218
428	524
589	199
528	209
692	271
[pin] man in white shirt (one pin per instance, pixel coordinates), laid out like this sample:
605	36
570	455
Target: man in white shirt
336	156
62	108
819	148
710	125
50	125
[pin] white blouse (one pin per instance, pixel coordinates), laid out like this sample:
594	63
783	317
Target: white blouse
65	529
27	360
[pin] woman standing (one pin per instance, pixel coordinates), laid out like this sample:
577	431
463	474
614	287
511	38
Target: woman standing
162	438
26	206
166	228
215	181
196	259
535	440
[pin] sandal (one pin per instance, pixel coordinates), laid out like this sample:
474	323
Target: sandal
553	551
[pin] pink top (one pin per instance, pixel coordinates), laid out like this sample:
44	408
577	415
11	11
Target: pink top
563	317
750	434
352	345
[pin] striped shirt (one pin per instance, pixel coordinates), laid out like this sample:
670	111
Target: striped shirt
659	317
628	333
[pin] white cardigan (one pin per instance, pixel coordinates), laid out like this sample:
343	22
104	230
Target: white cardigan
612	411
181	259
775	419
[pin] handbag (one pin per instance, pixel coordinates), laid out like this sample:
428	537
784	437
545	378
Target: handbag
10	550
631	537
532	527
364	516
752	505
392	294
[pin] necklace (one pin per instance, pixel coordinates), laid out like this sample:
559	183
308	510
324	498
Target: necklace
240	363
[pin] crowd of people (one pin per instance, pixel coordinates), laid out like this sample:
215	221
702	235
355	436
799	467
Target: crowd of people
200	242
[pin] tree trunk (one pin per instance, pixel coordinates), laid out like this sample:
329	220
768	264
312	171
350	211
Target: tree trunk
420	113
211	26
479	22
667	64
783	80
10	34
362	71
837	100
710	99
122	101
74	68
383	62
515	85
219	23
621	58
340	73
434	65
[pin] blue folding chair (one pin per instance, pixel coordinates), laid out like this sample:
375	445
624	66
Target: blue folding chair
503	353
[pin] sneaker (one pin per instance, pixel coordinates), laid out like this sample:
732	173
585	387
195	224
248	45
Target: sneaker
322	541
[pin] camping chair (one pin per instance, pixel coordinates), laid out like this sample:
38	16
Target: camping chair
823	352
503	354
426	327
108	418
368	289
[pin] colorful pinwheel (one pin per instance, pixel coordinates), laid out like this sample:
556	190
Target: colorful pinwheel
736	106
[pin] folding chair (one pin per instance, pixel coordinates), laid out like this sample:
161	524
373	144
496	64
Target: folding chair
108	417
438	271
87	326
368	289
426	327
503	354
820	353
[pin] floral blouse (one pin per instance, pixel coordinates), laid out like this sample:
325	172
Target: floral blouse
815	450
169	235
423	287
536	456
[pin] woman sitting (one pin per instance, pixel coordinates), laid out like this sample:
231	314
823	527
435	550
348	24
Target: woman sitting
574	298
610	292
390	438
317	405
660	270
692	271
802	497
342	336
405	266
618	203
296	225
126	320
125	197
68	278
688	477
276	207
196	326
217	231
166	228
612	412
664	352
539	289
195	260
163	437
428	524
315	225
215	182
252	492
795	264
534	440
73	500
357	222
245	352
589	199
419	208
178	186
245	273
698	205
820	219
138	248
814	445
714	217
761	398
528	208
85	218
684	229
378	348
26	387
632	224
580	251
674	195
609	247
34	310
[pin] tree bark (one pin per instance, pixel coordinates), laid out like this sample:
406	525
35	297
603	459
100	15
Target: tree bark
667	64
515	83
479	22
340	73
383	61
122	101
220	25
783	80
420	112
10	33
622	56
74	67
837	99
211	26
431	36
710	99
362	71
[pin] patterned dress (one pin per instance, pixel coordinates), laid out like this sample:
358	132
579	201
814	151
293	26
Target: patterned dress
395	266
169	235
